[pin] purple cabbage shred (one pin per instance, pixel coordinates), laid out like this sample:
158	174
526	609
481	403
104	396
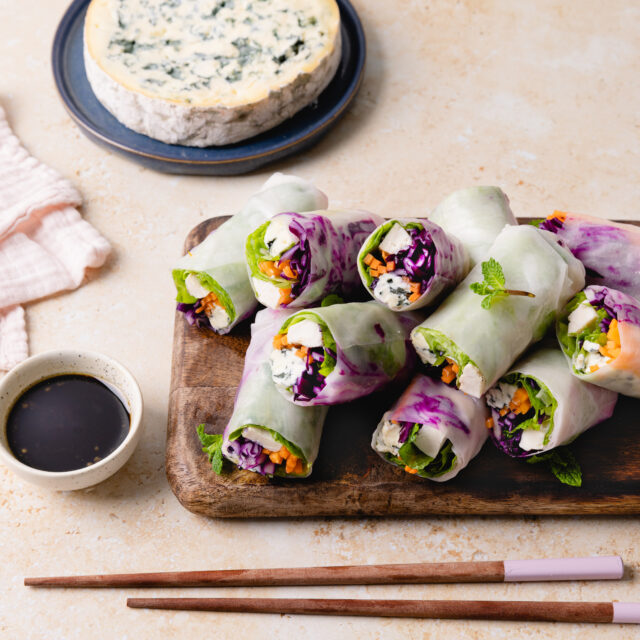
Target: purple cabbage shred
192	316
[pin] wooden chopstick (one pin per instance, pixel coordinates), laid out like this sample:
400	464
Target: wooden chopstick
597	568
443	609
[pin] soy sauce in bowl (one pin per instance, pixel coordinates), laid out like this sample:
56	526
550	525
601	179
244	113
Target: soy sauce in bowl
66	422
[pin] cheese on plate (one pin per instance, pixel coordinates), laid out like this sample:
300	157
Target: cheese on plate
209	72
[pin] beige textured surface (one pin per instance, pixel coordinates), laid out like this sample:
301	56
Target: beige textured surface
540	98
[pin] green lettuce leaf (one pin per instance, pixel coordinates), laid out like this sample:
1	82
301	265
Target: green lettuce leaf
179	278
426	466
444	348
256	252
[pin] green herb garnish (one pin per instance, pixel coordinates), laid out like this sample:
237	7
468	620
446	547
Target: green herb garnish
563	465
212	446
493	286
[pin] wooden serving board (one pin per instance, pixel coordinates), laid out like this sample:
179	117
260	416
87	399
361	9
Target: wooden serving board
348	478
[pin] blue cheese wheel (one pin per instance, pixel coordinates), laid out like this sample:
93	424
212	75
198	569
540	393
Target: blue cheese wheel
209	72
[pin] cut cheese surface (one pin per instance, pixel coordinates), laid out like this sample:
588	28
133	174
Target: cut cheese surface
226	52
211	62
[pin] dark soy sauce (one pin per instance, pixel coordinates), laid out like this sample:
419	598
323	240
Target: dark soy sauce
66	422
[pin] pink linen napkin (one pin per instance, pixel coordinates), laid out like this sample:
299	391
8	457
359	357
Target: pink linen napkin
45	245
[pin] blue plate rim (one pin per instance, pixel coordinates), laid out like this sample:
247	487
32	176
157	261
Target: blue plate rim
351	90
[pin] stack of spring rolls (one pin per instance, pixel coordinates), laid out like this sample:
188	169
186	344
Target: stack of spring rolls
466	294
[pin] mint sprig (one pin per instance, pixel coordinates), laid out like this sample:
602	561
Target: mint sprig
563	465
493	286
212	446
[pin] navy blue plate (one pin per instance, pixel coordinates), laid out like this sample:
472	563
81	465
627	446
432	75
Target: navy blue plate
298	133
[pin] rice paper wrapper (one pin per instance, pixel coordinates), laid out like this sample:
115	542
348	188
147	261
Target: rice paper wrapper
580	405
475	216
610	251
461	417
451	262
622	374
533	261
221	254
331	241
259	403
372	349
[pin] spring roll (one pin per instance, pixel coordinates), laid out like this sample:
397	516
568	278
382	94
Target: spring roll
539	405
266	433
610	251
296	260
211	280
475	216
433	430
473	346
408	263
331	355
599	332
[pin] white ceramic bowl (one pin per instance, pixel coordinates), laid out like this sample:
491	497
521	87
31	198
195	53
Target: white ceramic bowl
53	363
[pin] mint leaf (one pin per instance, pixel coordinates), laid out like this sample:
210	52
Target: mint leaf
212	446
563	464
493	274
481	288
493	286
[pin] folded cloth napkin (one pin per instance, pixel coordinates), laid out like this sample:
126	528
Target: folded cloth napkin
45	245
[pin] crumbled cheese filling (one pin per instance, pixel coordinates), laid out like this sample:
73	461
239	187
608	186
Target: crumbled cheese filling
277	236
392	291
286	367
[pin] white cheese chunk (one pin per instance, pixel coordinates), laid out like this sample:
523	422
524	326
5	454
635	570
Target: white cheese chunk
500	395
532	439
430	440
194	286
392	291
266	292
277	236
395	240
262	437
388	440
591	347
306	332
210	72
581	317
218	317
595	360
422	348
286	367
471	381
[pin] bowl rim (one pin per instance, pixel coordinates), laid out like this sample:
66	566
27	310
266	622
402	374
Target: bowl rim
134	400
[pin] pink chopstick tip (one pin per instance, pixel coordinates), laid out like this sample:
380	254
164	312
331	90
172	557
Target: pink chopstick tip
596	568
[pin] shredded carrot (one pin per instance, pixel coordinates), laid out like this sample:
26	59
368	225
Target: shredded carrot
276	458
558	214
410	470
448	375
268	267
285	296
280	341
368	259
504	411
208	302
298	468
488	423
414	296
391	266
385	255
289	272
382	269
375	263
593	367
302	352
284	452
520	402
614	332
291	463
415	287
456	368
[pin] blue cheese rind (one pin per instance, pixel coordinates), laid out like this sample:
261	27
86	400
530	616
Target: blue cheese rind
209	72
